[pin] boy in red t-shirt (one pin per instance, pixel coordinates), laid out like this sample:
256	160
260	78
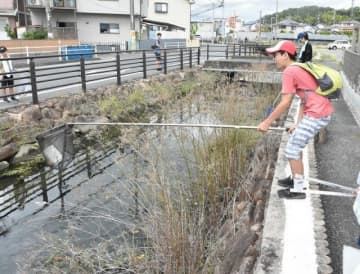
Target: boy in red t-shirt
315	113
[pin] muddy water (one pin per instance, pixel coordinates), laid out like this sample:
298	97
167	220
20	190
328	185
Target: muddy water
98	184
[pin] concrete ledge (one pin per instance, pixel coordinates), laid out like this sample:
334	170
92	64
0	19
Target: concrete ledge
294	235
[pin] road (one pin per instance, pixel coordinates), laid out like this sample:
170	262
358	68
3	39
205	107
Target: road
339	162
65	77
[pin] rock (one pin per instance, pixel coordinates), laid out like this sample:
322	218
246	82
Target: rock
4	165
66	115
50	113
31	113
8	151
25	152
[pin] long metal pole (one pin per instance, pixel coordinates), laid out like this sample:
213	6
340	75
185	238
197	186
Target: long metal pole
172	125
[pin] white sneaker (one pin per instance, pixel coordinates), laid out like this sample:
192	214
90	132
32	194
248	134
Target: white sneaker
300	185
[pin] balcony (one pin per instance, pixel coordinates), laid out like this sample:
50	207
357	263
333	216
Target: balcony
35	3
54	4
63	4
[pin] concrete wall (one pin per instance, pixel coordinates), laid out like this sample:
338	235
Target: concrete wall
7	5
16	46
3	34
106	7
89	28
38	17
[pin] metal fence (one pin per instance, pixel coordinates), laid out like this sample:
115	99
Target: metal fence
47	187
117	65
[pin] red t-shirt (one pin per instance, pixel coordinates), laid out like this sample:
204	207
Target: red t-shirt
296	80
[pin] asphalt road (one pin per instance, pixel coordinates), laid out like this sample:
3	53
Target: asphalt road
339	162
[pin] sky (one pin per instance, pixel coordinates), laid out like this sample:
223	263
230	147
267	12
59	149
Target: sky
250	9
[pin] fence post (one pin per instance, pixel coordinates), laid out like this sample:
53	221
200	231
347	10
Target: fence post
118	69
44	186
33	82
27	54
181	59
207	51
165	61
59	52
234	50
198	56
227	51
239	50
190	65
82	71
144	64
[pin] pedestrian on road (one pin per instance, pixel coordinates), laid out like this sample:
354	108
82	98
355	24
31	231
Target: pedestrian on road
305	54
7	80
156	47
315	113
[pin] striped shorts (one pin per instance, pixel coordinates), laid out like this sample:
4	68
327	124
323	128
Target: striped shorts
304	131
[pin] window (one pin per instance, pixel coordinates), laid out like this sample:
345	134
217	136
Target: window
109	28
161	7
65	24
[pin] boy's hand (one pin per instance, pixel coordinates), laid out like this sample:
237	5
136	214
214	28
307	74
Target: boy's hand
263	126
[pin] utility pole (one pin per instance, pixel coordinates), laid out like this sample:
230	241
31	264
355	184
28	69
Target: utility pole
276	18
213	21
48	18
132	26
259	39
352	10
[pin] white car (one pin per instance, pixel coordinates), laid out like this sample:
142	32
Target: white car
339	44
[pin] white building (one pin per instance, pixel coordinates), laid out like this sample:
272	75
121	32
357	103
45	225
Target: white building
168	15
108	20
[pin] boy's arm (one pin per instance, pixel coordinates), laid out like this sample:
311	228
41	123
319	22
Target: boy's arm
280	109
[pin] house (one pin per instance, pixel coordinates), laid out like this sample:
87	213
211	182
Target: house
11	14
289	25
168	15
86	20
109	21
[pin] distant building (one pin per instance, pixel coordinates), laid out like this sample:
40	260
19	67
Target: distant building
11	14
167	15
108	20
289	25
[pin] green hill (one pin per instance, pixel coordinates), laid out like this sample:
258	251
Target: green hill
315	15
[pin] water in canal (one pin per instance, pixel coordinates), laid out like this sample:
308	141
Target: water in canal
100	194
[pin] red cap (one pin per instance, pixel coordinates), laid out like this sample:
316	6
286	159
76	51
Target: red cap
285	45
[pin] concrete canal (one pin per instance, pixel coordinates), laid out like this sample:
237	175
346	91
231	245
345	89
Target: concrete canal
149	200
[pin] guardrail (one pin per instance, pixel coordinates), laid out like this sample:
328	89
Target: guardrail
112	65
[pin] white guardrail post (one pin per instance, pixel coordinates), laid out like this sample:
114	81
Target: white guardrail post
27	55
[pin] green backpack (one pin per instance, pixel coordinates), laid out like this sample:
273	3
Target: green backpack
329	80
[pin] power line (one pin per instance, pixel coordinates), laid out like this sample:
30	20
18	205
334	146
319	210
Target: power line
221	4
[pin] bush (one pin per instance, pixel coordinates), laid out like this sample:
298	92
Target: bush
11	33
35	34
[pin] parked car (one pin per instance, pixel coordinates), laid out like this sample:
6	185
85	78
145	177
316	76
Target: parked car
339	44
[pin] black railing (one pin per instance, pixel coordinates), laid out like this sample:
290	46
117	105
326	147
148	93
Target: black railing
47	186
120	66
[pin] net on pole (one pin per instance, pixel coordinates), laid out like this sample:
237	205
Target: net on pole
56	145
